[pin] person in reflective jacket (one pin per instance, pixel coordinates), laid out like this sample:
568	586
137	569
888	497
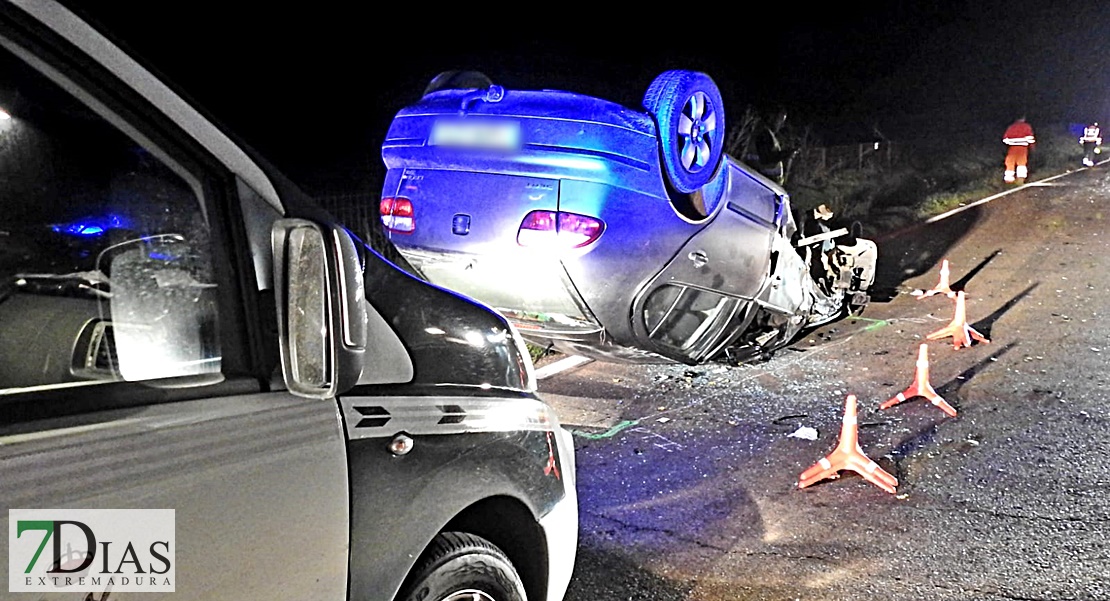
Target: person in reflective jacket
1091	141
1019	138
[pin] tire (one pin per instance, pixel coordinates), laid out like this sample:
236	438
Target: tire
459	566
689	114
458	80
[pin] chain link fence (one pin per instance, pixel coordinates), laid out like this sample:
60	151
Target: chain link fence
817	162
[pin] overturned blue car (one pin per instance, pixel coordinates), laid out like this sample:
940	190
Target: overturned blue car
622	234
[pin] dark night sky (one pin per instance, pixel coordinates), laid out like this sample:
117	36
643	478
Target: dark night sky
314	88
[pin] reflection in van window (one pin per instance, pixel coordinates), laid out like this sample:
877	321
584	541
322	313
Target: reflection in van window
105	265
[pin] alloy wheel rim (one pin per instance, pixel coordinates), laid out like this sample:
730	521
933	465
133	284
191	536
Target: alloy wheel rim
696	126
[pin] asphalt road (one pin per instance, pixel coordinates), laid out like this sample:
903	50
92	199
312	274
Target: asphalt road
688	475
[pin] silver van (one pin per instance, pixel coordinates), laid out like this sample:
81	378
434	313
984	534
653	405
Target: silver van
182	330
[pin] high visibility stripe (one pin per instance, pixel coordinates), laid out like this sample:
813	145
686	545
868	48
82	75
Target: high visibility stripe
379	417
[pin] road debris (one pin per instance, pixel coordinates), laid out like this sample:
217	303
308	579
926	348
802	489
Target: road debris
804	432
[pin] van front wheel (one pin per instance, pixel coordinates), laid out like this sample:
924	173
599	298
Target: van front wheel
462	567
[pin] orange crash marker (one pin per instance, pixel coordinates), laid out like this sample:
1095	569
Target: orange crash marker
943	287
921	386
961	333
848	456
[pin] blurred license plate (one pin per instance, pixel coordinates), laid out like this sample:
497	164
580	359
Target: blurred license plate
476	133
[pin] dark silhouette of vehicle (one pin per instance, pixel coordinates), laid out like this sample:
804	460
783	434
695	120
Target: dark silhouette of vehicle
182	329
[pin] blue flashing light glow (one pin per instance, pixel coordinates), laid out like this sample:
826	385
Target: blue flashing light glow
78	229
91	226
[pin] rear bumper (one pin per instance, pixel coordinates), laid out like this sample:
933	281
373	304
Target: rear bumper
531	291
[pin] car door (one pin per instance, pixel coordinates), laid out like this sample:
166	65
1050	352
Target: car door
136	370
732	253
708	289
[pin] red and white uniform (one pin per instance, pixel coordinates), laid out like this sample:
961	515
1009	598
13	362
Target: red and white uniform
1019	137
1091	133
1090	141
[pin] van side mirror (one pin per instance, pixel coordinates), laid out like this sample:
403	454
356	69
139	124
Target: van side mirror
321	307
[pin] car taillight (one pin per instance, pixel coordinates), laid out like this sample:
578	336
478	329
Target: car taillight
397	215
554	229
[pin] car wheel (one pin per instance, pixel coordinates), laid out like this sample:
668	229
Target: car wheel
458	80
689	114
463	567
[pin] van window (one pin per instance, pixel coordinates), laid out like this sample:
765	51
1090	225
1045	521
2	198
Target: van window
105	265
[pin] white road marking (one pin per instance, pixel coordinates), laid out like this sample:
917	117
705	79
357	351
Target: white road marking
560	366
1041	182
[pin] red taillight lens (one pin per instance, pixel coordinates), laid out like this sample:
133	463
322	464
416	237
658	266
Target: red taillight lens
579	230
558	230
539	221
397	215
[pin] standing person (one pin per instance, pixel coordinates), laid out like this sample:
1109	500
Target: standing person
1019	137
768	155
1091	140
